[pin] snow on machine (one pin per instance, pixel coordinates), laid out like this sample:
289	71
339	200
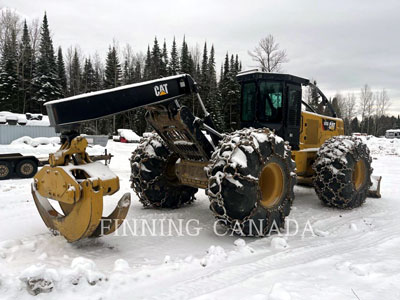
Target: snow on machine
248	174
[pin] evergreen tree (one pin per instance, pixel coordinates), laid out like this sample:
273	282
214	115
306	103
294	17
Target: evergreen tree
75	86
147	65
174	62
113	69
25	69
138	72
186	66
214	96
88	77
230	93
8	75
204	70
156	61
46	82
164	61
355	125
62	76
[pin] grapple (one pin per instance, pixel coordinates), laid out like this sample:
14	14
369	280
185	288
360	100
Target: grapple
78	185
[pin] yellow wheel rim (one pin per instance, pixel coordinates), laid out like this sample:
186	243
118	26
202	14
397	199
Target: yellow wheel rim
359	171
271	184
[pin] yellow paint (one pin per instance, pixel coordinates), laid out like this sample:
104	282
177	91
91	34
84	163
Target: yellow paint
271	184
312	136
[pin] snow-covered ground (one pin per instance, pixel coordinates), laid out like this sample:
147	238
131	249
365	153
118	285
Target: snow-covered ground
347	255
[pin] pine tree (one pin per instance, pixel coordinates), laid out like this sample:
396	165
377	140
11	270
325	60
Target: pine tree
147	65
174	62
214	96
156	61
113	69
138	72
8	74
62	76
88	77
75	86
164	61
204	82
46	82
25	69
185	59
230	93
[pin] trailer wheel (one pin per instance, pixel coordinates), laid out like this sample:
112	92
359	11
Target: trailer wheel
26	168
343	172
251	181
153	176
5	170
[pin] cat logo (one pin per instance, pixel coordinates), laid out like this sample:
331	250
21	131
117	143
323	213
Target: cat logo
328	125
161	90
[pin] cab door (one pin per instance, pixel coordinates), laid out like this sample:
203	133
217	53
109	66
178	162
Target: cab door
293	117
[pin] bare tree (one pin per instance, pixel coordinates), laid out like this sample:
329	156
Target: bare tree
9	22
195	52
268	56
366	104
34	33
348	107
382	104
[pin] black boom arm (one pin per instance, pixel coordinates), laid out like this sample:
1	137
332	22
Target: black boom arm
77	109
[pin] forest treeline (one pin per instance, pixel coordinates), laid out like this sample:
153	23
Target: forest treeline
33	72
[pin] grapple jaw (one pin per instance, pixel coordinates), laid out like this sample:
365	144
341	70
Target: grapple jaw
79	186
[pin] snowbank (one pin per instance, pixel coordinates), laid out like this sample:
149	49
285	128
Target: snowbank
129	135
34	142
382	146
24	119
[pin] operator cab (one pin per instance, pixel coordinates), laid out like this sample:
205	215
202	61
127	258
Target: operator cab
273	101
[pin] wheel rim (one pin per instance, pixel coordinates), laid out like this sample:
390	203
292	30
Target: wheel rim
26	169
271	184
359	171
4	171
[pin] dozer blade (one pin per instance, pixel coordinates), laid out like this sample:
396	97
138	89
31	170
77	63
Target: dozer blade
375	189
82	219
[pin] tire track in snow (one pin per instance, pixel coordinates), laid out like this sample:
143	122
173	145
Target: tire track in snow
230	275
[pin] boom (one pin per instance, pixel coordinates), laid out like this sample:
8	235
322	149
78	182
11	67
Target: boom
109	102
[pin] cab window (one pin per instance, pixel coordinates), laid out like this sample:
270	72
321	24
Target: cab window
248	101
270	105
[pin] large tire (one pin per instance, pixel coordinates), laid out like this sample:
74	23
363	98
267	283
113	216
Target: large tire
343	172
26	168
251	180
5	170
153	178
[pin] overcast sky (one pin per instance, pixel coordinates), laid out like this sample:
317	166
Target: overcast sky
343	44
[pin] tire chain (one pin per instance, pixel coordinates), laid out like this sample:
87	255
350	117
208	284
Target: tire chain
139	157
246	138
335	150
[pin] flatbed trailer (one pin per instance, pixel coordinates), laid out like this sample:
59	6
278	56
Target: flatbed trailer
16	165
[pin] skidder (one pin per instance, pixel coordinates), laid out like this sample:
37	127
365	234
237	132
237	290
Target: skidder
249	175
